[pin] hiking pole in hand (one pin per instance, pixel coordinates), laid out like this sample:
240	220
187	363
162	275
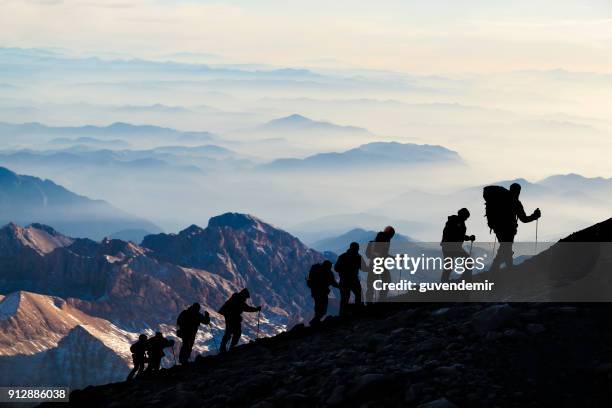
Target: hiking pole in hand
258	314
536	241
471	245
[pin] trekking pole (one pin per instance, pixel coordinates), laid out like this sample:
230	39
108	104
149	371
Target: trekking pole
471	245
212	335
258	314
173	354
536	241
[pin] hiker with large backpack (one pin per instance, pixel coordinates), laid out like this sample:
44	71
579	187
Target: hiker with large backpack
320	278
348	266
503	210
232	312
188	323
453	236
379	248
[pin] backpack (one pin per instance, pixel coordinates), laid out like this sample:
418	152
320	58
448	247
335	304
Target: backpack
498	207
227	307
312	274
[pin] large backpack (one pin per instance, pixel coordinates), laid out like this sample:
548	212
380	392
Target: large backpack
498	207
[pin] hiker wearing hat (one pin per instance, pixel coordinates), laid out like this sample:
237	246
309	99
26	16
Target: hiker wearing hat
232	312
453	236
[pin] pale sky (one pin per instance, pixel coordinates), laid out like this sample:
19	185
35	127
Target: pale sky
435	36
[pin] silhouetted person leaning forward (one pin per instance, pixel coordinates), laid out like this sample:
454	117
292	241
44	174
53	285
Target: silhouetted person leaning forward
188	323
379	248
348	266
453	237
139	357
320	278
232	312
155	349
503	210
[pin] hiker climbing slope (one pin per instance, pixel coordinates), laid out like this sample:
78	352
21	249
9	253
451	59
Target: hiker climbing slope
155	349
503	210
379	248
348	266
232	312
320	278
139	358
188	323
453	236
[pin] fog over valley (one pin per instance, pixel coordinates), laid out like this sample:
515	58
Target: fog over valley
316	151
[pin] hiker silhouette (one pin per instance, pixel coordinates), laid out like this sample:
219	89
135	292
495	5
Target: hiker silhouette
453	237
155	349
139	357
188	323
503	209
232	312
320	278
347	266
379	248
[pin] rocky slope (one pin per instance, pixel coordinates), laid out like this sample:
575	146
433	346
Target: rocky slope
55	286
520	355
407	354
250	253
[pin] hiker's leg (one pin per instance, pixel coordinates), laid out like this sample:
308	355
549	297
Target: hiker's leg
356	288
499	256
236	334
446	271
226	337
369	289
386	278
345	294
320	309
134	370
186	347
324	303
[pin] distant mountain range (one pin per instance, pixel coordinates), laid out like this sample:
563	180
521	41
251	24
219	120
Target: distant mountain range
339	244
299	123
370	155
71	305
145	135
27	199
561	198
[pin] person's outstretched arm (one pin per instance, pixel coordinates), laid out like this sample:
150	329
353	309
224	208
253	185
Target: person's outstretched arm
520	213
249	308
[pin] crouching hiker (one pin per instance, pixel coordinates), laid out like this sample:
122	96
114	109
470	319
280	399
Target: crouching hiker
155	349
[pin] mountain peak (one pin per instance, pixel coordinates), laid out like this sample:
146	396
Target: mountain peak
192	230
296	117
234	220
41	238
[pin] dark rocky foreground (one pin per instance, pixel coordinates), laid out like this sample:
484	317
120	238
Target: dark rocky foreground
465	355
